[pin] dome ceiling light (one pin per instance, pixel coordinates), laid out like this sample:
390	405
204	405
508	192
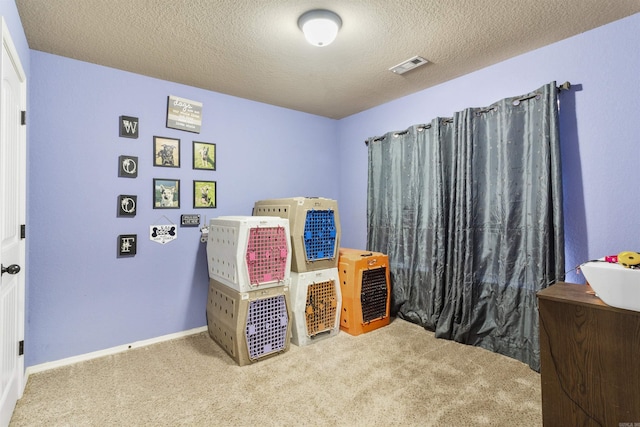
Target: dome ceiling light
320	27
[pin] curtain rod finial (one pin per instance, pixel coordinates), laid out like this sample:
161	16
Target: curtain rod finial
565	86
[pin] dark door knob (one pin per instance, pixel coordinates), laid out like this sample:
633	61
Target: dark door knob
12	269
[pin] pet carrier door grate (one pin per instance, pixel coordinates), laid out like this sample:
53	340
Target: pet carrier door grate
266	329
266	254
374	294
321	307
319	235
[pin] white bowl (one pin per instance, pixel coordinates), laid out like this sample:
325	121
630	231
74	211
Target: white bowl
616	285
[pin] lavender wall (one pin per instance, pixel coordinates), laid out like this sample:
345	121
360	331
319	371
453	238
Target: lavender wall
9	12
600	133
81	298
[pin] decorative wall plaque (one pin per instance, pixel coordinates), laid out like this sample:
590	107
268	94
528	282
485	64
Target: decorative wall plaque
163	233
184	114
128	127
128	166
127	205
127	245
190	220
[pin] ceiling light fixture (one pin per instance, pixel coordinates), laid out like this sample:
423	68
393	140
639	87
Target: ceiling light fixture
320	27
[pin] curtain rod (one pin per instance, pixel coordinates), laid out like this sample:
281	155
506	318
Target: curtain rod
564	86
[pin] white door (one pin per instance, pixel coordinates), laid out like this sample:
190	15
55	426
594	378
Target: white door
12	215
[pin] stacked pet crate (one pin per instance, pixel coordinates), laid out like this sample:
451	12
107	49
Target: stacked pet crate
248	307
366	290
315	238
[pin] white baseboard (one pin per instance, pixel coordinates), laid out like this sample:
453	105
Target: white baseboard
106	352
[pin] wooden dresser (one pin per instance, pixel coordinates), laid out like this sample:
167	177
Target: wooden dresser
590	359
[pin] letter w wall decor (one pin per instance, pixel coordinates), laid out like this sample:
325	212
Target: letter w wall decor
128	127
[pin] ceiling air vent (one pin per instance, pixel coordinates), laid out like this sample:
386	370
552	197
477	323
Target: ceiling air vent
408	65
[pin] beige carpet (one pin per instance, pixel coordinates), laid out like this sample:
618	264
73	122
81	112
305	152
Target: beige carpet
396	375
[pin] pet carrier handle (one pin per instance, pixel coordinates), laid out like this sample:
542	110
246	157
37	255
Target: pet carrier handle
12	269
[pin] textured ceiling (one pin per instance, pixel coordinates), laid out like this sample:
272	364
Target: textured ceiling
253	48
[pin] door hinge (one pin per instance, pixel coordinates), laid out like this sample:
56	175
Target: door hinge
23	117
21	348
23	231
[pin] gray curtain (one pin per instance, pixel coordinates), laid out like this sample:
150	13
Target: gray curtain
469	211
